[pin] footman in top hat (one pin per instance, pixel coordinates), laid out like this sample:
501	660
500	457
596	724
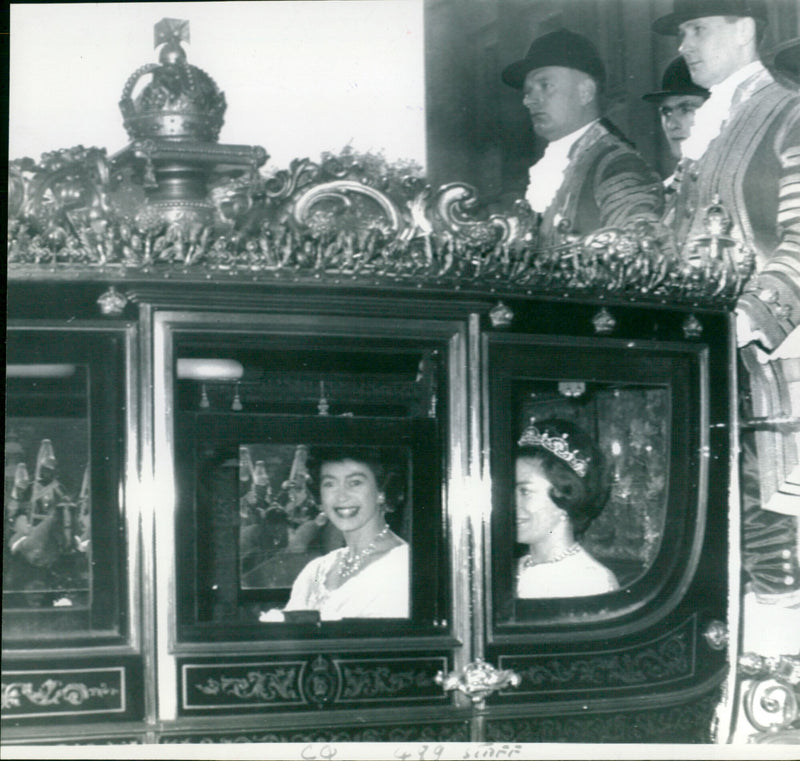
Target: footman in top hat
588	176
744	147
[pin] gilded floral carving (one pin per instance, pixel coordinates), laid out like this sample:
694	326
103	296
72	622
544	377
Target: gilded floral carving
668	659
53	692
682	724
381	681
256	685
350	218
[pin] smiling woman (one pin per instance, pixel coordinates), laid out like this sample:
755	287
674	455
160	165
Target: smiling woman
369	577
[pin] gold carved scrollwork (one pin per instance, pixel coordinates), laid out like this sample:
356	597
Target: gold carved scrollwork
178	202
772	700
350	215
341	193
456	205
283	184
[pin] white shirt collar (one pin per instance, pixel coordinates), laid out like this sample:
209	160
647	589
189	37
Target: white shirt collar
727	87
547	174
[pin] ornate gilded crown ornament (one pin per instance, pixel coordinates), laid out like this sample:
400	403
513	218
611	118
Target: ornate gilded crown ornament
557	444
180	101
174	122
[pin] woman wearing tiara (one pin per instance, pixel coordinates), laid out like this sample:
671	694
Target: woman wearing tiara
561	487
368	577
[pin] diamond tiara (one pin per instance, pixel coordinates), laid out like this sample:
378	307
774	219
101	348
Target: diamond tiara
558	445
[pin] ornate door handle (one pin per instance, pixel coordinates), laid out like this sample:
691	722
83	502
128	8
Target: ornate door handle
478	680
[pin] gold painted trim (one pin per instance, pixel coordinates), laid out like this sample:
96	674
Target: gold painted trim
458	502
162	501
728	708
147	516
26	673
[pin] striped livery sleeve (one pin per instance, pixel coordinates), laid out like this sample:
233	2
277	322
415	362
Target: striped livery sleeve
772	298
626	188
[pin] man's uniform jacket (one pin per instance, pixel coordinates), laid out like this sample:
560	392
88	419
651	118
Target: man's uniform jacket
606	184
753	165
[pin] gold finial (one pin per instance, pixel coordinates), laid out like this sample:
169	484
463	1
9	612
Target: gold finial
171	30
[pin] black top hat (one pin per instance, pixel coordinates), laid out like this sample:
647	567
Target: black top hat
685	10
559	48
677	81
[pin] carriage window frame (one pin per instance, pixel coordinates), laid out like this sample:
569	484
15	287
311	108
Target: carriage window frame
103	354
430	556
682	369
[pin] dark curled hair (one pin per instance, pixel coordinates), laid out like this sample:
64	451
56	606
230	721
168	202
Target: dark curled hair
382	469
582	498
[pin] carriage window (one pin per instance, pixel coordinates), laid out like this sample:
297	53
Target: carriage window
61	510
591	462
596	462
48	549
310	484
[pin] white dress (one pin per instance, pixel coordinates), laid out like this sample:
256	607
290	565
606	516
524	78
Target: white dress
578	575
380	590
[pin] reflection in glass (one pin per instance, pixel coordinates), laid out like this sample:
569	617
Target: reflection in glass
629	424
561	486
47	557
281	528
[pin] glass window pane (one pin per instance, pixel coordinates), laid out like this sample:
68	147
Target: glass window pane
63	455
614	539
259	424
596	462
47	562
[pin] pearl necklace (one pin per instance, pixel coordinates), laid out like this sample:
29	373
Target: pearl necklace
529	562
351	563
